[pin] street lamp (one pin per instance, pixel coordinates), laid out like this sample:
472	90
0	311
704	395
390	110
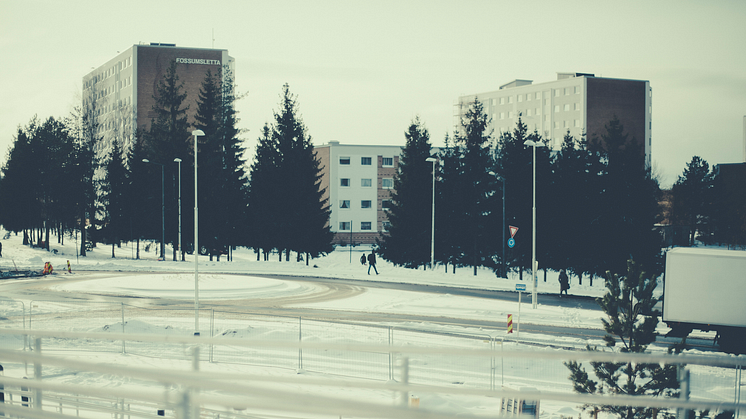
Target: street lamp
502	179
163	210
534	301
432	228
181	249
196	133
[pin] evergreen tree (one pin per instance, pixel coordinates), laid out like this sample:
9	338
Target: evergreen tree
300	177
168	138
447	231
630	204
263	194
631	321
222	165
18	205
692	197
408	238
113	196
476	188
513	162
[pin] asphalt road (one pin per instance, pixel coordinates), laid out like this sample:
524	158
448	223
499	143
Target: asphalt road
327	289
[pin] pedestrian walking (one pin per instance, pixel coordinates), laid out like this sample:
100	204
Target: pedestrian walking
564	282
362	259
372	262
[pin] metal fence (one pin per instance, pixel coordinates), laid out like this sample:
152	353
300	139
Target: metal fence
476	361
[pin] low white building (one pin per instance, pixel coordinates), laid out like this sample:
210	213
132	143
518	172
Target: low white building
358	181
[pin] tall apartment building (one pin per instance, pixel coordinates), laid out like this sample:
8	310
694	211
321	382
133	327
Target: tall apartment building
578	102
358	180
122	89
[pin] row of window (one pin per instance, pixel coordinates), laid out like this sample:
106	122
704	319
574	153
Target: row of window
536	96
367	161
364	204
386	183
364	225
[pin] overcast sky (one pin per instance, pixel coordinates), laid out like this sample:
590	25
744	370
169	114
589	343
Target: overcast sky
363	70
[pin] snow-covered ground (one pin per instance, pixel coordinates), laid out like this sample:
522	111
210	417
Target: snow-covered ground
174	280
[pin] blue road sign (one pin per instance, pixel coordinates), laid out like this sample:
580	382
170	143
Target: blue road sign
520	287
511	242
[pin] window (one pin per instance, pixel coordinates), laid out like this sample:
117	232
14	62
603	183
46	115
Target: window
576	106
567	91
366	183
510	99
502	100
577	123
577	89
365	225
365	161
344	182
510	115
556	124
520	98
528	97
556	108
538	95
502	115
344	225
344	160
387	183
566	124
387	161
494	102
386	204
556	92
365	204
528	112
567	106
538	111
344	203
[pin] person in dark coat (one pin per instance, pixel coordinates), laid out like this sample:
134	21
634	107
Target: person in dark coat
362	259
372	262
564	282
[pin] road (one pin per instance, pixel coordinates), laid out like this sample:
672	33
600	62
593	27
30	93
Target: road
325	289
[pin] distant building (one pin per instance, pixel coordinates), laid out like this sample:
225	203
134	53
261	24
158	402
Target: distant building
358	180
576	102
124	86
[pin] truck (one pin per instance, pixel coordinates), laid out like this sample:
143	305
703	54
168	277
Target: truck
705	289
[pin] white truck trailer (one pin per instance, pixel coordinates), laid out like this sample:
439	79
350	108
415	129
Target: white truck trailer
705	289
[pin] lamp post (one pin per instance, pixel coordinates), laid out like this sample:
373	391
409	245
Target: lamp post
196	133
432	226
534	301
163	210
502	179
181	249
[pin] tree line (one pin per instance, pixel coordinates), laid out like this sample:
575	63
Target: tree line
56	178
596	201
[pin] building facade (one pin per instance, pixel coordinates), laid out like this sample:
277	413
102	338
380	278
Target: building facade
576	102
358	182
120	92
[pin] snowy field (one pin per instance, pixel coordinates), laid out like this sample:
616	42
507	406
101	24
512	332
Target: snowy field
174	281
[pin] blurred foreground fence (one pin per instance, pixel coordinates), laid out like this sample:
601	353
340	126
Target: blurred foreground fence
370	358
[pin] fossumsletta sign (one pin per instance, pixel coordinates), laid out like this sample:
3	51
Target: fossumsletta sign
197	61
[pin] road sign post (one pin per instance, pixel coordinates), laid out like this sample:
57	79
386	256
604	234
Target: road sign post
520	288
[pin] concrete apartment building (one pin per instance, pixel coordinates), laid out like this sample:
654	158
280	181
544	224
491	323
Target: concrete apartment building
578	102
358	180
123	88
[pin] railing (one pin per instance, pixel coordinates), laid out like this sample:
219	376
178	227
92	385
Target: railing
475	364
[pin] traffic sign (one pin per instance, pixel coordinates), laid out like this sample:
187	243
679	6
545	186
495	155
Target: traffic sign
513	230
511	242
520	287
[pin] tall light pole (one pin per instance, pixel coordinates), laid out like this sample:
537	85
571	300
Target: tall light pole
196	133
432	227
534	301
181	249
163	210
502	179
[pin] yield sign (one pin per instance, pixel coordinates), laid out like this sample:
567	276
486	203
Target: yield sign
513	230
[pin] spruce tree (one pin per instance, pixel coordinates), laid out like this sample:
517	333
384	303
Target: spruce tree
407	241
447	204
692	197
631	321
263	195
476	188
113	195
